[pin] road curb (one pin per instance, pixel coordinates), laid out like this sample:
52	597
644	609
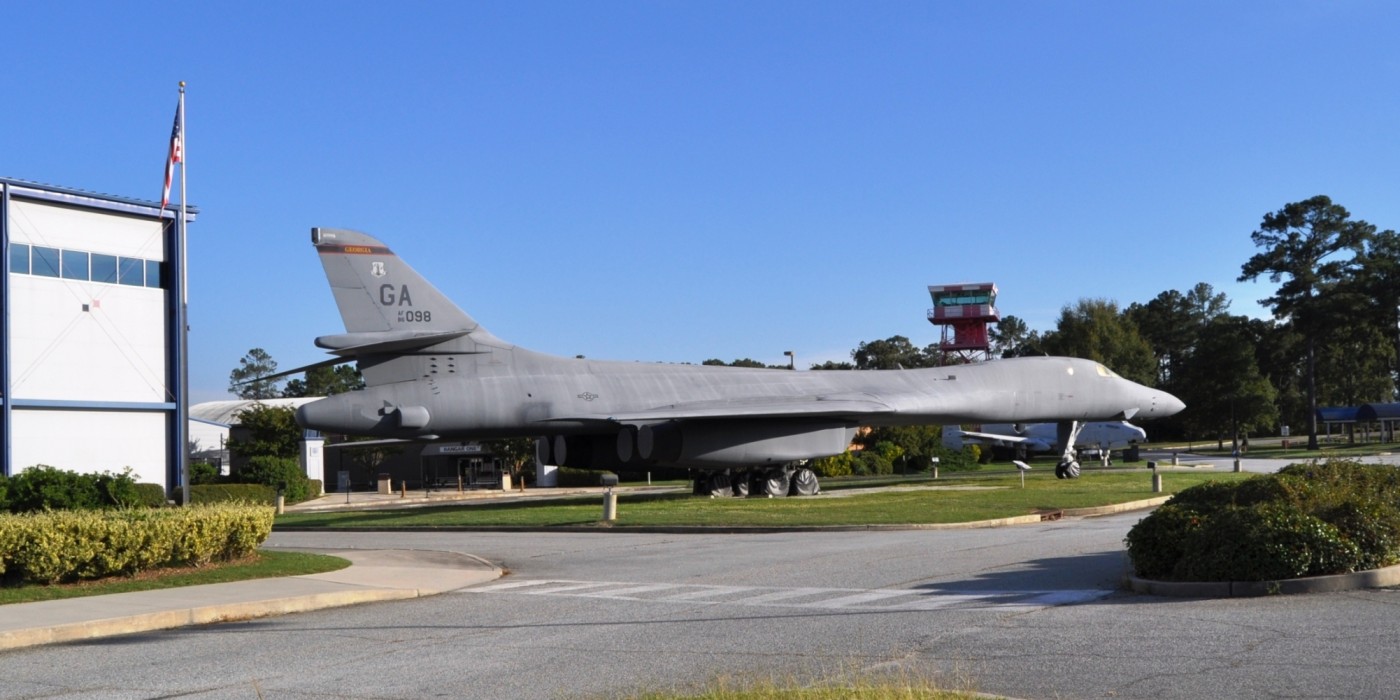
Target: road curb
1374	578
200	615
1117	507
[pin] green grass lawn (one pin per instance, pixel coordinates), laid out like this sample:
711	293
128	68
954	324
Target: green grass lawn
1297	453
998	496
1272	448
264	564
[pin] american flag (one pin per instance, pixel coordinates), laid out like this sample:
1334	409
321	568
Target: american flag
177	155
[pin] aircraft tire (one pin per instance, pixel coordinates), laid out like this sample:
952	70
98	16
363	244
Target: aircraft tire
804	483
740	484
777	483
1072	470
720	485
1060	470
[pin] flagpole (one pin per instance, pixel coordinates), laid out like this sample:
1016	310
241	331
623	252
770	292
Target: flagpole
182	412
184	154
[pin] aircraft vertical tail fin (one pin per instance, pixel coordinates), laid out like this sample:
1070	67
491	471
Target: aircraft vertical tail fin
379	293
952	437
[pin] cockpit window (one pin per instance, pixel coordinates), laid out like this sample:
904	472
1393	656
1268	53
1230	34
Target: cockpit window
1104	371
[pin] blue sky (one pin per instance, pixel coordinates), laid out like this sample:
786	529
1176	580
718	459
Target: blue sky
677	181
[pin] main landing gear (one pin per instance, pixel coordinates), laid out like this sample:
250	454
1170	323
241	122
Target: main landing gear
773	482
1066	433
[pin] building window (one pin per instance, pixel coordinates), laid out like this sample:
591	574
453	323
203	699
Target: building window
131	271
104	268
45	261
75	265
82	265
19	258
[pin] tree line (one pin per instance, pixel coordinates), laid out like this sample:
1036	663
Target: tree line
1334	339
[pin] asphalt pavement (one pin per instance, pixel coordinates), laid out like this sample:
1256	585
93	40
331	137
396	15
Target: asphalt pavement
374	575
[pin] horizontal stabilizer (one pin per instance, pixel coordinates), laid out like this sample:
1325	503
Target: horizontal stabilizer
287	373
381	342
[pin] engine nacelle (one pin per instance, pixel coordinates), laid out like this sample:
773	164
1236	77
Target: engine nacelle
411	417
582	451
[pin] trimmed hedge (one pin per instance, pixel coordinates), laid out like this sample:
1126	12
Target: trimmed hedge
1306	520
65	546
150	495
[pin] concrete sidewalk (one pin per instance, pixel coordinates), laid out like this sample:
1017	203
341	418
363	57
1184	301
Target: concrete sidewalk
374	575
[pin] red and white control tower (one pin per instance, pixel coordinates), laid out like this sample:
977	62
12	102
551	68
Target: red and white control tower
964	310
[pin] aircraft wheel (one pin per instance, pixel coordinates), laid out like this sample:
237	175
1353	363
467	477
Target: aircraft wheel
720	485
1072	470
740	484
776	485
804	483
758	482
1060	470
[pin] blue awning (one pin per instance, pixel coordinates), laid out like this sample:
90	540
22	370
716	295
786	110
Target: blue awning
1378	411
1346	414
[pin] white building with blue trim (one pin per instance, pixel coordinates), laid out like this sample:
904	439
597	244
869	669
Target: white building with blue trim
91	354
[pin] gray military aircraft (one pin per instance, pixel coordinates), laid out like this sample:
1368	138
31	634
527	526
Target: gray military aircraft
1022	438
432	372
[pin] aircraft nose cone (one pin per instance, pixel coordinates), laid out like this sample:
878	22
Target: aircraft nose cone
1169	405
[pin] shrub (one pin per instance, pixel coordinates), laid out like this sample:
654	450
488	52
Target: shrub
4	496
48	488
117	489
279	473
150	495
875	461
1263	542
1308	519
204	473
1373	526
965	459
209	494
835	465
58	546
1158	541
